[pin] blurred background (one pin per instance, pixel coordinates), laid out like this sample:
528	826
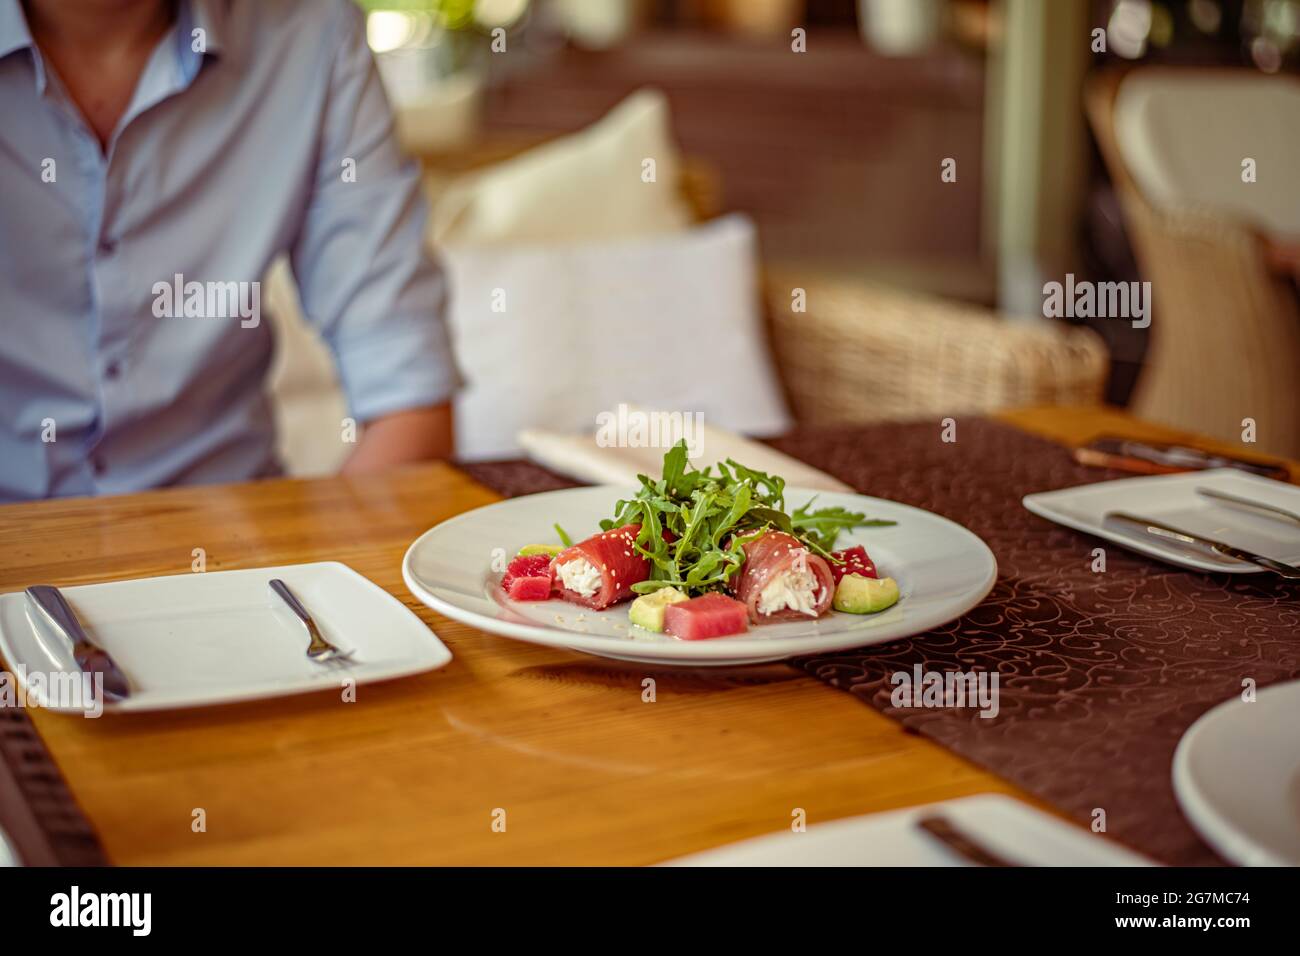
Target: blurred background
919	169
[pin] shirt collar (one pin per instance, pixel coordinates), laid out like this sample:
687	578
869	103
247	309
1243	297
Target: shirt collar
206	15
14	34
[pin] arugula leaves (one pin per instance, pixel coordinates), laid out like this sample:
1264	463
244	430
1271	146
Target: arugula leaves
824	525
711	516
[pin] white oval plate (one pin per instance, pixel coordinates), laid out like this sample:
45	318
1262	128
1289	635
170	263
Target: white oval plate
942	570
1237	777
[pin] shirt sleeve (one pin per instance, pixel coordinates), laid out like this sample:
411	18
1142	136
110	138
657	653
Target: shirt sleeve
365	277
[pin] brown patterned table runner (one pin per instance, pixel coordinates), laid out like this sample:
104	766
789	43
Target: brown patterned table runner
1100	672
37	811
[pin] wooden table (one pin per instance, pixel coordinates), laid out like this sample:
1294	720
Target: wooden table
414	770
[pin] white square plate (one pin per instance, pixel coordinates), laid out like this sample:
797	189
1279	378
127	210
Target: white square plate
1013	830
1172	500
188	640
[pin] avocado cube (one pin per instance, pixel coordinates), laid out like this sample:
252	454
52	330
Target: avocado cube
647	611
858	595
529	550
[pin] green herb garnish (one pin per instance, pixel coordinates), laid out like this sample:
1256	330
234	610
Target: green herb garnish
823	526
711	516
564	536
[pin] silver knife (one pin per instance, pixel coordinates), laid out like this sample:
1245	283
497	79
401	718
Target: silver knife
91	659
1259	507
1158	530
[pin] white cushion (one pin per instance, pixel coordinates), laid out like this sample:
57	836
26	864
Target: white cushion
584	186
670	322
1183	138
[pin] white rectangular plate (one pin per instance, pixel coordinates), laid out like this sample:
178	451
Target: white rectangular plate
1013	830
188	640
1172	500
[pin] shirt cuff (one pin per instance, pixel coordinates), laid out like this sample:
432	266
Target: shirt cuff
406	368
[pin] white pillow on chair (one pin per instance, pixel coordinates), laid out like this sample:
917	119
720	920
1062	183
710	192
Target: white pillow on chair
551	336
587	185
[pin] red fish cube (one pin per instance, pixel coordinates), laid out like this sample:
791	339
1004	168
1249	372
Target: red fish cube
712	615
529	589
852	561
528	578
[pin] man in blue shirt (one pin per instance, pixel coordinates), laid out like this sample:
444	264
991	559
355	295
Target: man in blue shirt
155	157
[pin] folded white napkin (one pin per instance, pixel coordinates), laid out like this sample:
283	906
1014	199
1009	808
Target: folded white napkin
593	458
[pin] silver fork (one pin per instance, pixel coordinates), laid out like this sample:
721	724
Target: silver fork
319	650
1250	504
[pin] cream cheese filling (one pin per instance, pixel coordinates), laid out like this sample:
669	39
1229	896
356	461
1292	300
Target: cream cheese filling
795	589
580	576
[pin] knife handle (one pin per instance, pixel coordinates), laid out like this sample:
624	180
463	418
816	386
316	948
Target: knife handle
56	608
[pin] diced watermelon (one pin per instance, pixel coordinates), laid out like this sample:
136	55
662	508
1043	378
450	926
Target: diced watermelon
712	615
852	561
528	578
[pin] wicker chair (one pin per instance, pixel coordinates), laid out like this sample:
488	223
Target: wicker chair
862	352
1225	337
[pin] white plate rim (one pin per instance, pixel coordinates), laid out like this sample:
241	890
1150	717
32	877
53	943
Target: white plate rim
1222	834
700	653
8	854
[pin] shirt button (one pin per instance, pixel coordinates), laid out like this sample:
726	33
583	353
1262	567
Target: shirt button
112	370
107	246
